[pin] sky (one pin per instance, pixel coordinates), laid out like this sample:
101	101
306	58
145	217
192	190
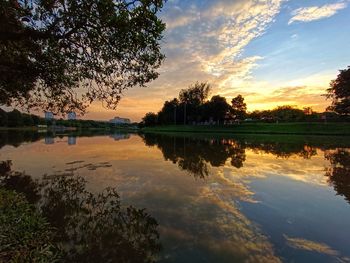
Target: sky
272	52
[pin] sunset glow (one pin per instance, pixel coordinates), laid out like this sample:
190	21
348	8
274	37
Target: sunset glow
273	52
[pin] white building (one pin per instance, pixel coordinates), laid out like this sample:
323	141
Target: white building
49	140
72	140
71	116
118	120
120	136
49	115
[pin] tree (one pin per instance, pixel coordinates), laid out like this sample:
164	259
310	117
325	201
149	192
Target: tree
27	119
308	111
239	108
218	108
61	55
196	94
150	119
3	118
288	113
168	113
14	118
192	98
36	119
339	92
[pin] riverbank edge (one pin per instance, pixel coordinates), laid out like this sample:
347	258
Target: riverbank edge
332	129
36	129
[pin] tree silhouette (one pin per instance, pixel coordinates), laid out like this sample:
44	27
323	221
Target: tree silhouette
3	118
218	108
191	100
49	49
169	114
339	92
239	107
150	119
14	118
196	94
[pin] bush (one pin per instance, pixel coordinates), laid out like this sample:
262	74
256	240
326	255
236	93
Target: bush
25	236
84	227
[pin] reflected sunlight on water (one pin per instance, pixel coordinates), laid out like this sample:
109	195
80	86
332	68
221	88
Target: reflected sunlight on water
240	199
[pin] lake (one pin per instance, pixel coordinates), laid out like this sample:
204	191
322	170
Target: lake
216	198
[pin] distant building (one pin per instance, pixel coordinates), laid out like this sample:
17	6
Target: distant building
49	115
49	140
72	140
71	115
118	120
120	136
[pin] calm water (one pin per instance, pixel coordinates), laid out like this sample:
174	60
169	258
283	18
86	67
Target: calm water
216	199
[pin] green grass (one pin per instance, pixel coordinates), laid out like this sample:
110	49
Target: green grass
297	128
27	128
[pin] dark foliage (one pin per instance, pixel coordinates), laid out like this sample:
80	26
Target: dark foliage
339	171
150	119
26	236
61	55
197	155
218	108
239	107
78	225
193	107
339	92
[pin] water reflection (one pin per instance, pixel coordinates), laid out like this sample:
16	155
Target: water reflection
87	227
120	136
195	154
20	182
72	140
338	172
17	137
264	198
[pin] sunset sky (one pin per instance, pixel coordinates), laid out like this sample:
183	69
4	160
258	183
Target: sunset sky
273	52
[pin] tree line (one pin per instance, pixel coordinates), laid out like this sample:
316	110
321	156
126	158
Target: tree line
15	118
194	108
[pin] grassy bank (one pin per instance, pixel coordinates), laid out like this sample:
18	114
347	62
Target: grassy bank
29	128
299	128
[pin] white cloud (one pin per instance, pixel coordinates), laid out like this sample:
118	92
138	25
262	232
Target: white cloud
207	42
307	14
203	42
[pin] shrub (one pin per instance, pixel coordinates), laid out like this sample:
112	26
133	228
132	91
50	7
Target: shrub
25	236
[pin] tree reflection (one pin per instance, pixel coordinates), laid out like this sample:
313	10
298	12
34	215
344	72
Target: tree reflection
339	171
19	182
284	150
196	155
88	227
18	137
